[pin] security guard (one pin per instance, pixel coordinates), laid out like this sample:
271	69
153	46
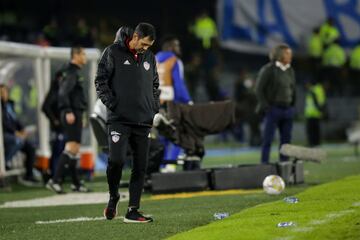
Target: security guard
315	50
315	107
333	62
328	32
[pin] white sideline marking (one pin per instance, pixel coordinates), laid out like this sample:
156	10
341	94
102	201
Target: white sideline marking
65	200
331	216
303	229
349	159
79	219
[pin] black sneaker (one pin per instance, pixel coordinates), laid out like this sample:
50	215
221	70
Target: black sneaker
134	216
111	209
55	187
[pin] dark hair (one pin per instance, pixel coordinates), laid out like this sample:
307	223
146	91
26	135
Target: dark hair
75	50
166	41
146	30
277	52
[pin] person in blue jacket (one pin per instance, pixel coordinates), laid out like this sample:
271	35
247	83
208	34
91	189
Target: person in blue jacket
172	84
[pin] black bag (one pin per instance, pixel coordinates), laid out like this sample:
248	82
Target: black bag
50	104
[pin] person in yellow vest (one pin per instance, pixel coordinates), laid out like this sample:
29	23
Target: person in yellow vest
205	29
328	32
355	70
333	62
315	111
315	51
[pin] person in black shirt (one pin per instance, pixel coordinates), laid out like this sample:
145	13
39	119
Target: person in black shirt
127	83
71	104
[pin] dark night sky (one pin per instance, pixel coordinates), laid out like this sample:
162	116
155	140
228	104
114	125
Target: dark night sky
165	15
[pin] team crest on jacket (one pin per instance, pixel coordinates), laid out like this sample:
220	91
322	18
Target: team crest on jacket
115	136
146	66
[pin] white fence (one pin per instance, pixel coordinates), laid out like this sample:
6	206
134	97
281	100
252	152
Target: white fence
41	58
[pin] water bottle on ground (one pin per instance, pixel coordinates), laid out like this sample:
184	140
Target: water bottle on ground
219	216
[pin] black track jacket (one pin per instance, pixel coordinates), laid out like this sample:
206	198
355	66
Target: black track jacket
128	87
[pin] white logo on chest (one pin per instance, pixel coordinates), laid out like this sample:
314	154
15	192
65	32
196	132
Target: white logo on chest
146	66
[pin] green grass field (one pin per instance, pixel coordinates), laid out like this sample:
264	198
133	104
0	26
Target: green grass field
328	211
257	213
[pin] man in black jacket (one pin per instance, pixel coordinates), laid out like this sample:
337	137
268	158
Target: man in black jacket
127	83
72	104
275	90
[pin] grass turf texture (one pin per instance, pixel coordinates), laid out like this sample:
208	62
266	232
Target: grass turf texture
328	211
171	216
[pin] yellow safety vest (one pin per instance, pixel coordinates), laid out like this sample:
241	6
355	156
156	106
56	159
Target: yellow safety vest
334	56
315	46
355	58
329	33
205	29
311	111
16	95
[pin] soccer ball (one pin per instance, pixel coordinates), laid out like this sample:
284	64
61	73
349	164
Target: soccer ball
273	184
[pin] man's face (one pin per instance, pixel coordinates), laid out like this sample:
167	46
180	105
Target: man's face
4	93
287	56
142	44
80	57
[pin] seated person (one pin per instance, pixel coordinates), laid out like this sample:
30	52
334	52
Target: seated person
15	138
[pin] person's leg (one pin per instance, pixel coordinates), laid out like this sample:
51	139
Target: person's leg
72	150
285	128
140	143
317	132
118	144
57	147
12	145
29	151
308	127
269	131
69	157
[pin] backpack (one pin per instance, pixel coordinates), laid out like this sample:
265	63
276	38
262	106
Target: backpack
50	104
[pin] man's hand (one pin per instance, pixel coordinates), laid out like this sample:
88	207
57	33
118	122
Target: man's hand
70	118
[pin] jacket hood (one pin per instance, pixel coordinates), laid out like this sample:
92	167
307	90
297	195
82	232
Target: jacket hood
122	34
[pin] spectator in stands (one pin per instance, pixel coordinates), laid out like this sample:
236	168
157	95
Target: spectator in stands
205	32
315	50
82	34
52	32
333	62
275	90
15	136
355	70
329	32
